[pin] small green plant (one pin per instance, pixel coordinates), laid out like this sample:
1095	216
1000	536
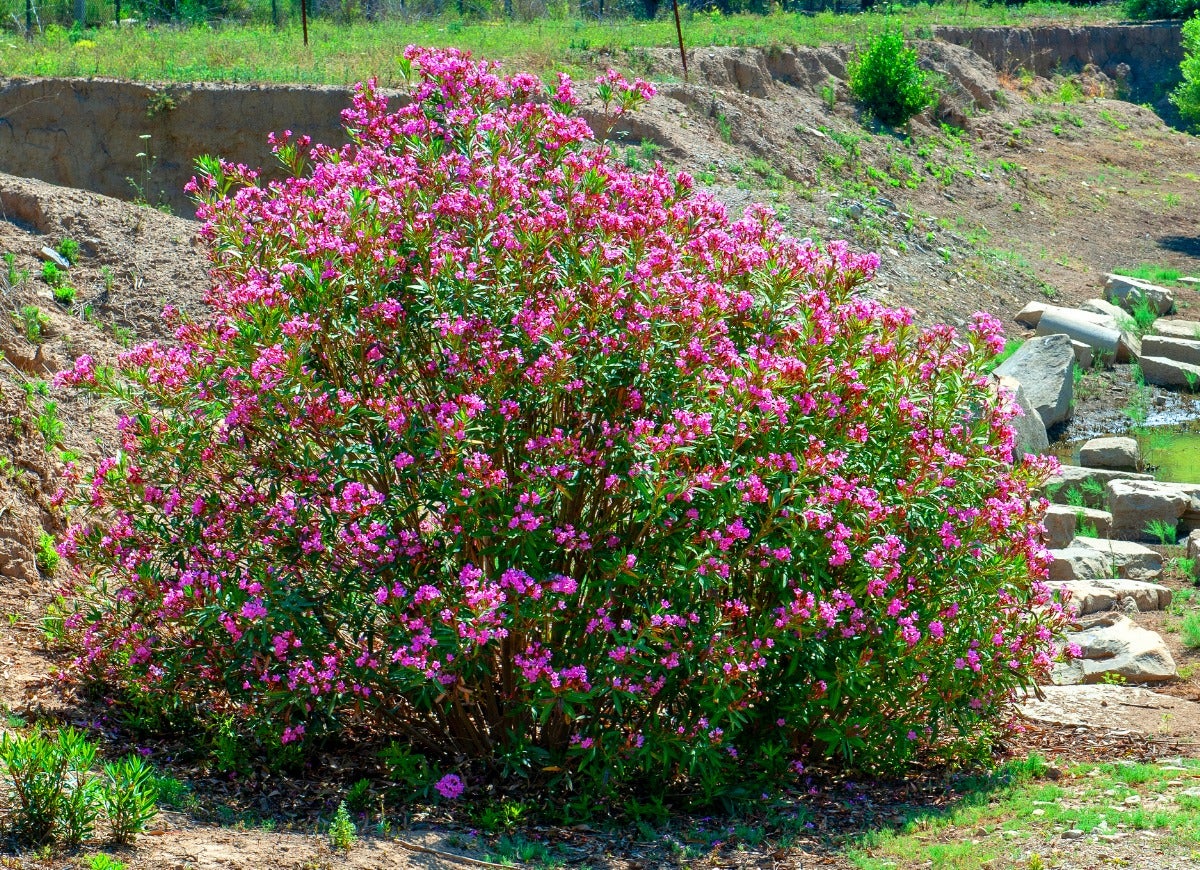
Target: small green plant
1112	678
888	80
69	249
103	861
1074	497
1186	567
53	275
64	294
1144	314
13	276
829	93
724	129
33	322
109	279
342	832
49	424
129	796
1189	631
47	557
1165	532
358	796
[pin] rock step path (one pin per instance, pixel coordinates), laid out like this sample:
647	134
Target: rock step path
1103	558
1085	597
1063	522
1125	708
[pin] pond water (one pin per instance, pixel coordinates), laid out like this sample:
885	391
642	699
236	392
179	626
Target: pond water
1171	453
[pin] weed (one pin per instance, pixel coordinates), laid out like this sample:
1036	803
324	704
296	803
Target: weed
47	557
69	249
50	782
724	129
342	831
102	861
1074	497
33	322
829	93
48	423
1144	313
1190	630
358	796
1165	532
53	275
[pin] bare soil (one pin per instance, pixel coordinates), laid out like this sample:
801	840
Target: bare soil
1034	199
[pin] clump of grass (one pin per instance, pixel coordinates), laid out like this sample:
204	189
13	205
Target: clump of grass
1165	532
1189	631
1151	273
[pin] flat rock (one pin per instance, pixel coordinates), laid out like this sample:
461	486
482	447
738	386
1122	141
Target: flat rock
1163	372
1105	309
1117	454
1126	291
1130	561
1184	350
1187	329
1126	708
1082	328
1044	366
1062	521
1137	504
1085	597
1113	644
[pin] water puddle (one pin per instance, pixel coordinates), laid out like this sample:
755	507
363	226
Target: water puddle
1171	451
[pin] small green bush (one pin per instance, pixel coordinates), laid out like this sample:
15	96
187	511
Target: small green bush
1149	10
1190	630
887	80
54	793
1186	95
64	294
342	831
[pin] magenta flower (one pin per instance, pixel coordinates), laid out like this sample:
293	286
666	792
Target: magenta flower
449	786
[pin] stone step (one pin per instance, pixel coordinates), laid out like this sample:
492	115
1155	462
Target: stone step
1085	597
1131	561
1113	645
1074	477
1183	350
1187	329
1135	504
1061	522
1115	454
1164	372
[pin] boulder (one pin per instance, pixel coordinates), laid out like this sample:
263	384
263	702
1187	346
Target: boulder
1085	597
1111	643
1193	551
1079	563
1084	328
1135	504
1187	329
1167	347
1126	291
1031	314
1124	559
1088	483
1117	454
1163	372
1031	432
1062	521
1044	366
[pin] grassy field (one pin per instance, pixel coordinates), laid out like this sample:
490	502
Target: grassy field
344	53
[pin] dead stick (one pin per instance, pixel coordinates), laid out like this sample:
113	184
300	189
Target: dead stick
475	862
679	33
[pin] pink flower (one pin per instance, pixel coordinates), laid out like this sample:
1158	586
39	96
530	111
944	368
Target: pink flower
449	786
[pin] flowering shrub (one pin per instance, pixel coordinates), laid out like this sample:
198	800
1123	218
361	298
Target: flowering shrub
531	460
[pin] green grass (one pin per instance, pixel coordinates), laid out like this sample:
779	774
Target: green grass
1150	272
345	53
1016	812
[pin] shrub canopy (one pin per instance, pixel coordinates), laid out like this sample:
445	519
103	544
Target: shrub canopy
886	77
495	445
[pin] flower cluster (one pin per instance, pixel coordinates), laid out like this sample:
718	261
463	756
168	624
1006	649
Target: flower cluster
495	444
